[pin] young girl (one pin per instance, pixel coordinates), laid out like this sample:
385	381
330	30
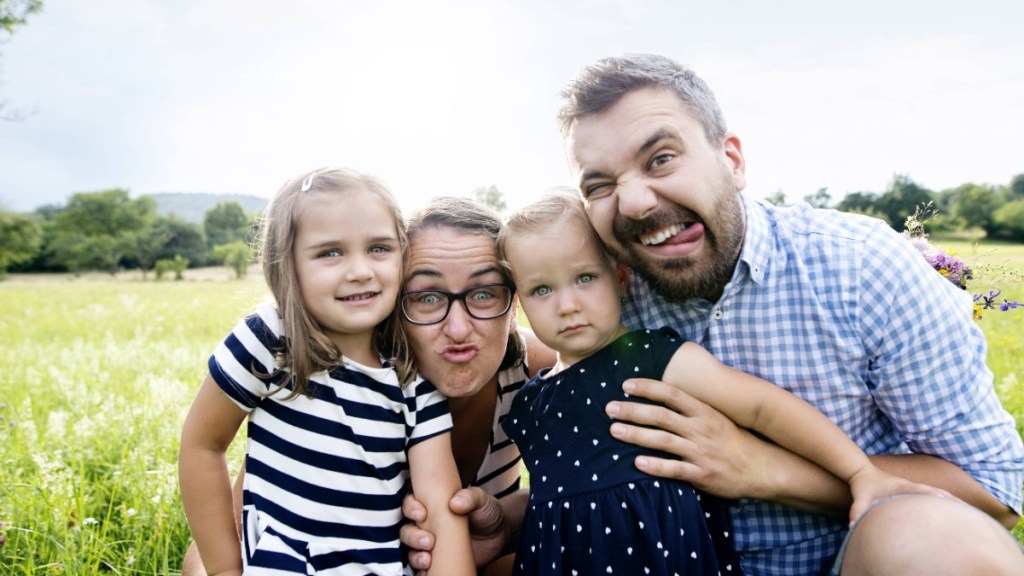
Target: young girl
591	511
334	433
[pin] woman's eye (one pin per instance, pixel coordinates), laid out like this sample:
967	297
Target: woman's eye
428	299
481	295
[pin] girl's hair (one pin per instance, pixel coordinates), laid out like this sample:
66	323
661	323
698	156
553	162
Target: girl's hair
555	205
471	217
306	349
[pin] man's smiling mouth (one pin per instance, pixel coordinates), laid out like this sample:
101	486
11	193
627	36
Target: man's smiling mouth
662	235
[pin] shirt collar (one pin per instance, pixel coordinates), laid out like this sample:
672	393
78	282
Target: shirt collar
757	242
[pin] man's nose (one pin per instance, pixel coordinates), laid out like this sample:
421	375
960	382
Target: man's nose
636	199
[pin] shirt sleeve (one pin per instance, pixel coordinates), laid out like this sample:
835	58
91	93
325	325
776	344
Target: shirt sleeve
429	413
927	367
244	364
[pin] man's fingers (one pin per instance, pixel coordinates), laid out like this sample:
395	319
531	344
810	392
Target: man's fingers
663	393
655	439
666	468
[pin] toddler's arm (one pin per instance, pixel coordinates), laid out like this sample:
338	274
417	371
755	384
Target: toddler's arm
209	428
434	480
789	421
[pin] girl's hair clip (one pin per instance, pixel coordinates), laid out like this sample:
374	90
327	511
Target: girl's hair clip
308	182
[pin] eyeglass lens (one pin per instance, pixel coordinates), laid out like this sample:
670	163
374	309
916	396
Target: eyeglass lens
481	302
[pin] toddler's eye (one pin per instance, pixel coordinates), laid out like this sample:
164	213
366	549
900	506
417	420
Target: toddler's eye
587	278
541	290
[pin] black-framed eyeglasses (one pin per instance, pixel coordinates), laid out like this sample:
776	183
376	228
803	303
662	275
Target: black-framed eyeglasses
480	302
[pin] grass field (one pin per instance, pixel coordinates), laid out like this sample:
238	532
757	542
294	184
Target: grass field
98	373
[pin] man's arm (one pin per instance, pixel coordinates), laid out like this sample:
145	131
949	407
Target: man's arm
722	459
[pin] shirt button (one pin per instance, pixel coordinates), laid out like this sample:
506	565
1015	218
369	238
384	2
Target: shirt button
717	314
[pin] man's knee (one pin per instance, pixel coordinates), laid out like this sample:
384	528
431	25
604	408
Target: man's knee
929	535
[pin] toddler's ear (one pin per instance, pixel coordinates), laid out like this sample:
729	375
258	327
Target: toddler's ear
623	273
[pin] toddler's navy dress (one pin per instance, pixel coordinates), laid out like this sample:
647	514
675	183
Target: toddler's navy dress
591	512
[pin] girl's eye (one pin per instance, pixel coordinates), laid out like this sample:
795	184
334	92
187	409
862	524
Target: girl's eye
330	253
541	290
587	278
380	249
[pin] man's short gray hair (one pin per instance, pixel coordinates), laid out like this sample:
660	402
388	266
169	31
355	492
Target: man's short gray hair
599	86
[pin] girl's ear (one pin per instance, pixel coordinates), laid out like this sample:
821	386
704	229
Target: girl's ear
623	273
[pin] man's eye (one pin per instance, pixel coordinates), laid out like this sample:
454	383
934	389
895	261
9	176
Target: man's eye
598	190
661	159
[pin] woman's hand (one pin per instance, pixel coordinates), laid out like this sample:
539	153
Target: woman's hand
489	527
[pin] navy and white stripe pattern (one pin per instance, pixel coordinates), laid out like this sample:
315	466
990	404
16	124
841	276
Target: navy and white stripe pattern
325	472
842	311
499	472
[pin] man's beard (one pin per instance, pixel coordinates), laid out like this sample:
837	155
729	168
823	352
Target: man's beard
679	279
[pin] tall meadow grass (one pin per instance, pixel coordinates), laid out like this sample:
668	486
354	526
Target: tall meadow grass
96	376
96	380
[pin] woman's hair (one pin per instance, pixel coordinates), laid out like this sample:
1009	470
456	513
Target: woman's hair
555	205
471	217
306	349
600	85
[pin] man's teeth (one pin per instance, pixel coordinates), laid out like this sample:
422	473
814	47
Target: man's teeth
661	235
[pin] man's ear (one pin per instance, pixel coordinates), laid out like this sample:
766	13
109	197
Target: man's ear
733	151
622	271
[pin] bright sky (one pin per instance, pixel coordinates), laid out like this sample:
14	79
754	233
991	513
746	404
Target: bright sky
439	97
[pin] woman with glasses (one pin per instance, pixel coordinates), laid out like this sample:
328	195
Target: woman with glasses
459	315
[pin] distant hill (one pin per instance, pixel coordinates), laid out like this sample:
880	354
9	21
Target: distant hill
192	206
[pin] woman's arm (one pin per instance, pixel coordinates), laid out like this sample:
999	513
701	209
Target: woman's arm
434	480
209	428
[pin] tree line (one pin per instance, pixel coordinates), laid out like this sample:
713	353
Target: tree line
996	210
110	231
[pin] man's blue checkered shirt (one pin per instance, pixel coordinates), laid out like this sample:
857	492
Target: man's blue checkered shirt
842	311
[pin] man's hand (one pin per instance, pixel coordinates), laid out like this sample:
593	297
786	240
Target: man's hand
713	453
488	527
